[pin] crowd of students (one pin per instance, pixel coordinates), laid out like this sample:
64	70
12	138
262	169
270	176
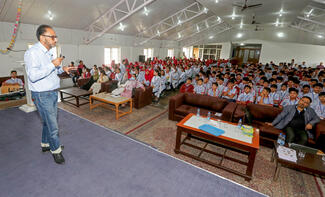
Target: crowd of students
267	84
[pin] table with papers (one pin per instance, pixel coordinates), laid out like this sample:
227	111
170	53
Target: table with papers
232	139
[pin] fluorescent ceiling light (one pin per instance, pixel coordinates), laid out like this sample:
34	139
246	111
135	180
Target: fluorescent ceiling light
242	44
241	24
146	11
122	27
277	22
239	35
217	1
320	36
210	37
179	35
280	34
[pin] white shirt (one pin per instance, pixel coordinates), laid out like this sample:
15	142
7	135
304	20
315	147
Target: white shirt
41	73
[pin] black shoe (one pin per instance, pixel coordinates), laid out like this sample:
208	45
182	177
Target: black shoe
58	158
45	149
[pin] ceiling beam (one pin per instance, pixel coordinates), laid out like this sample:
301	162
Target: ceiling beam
222	27
182	16
311	21
119	12
307	30
200	27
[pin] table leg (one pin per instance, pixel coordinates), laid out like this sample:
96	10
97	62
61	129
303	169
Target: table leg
90	103
273	155
277	171
250	165
77	101
178	140
130	105
116	109
61	95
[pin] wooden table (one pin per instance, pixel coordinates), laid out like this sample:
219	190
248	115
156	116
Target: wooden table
108	98
76	93
311	163
248	149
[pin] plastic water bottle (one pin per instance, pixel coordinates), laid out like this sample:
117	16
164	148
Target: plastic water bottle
209	115
198	112
239	123
281	139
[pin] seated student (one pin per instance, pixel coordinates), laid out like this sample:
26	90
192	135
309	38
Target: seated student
292	99
206	83
274	96
174	78
163	81
118	75
246	97
13	80
195	80
182	76
230	92
199	88
95	87
213	91
283	93
265	99
317	88
85	73
155	84
295	120
320	106
305	92
187	87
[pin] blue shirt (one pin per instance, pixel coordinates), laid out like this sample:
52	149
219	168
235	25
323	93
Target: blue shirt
15	80
41	73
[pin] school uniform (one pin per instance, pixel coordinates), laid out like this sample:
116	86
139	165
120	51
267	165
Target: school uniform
199	89
287	101
266	100
244	97
319	109
155	83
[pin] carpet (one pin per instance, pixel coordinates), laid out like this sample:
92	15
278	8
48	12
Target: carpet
106	117
99	162
161	133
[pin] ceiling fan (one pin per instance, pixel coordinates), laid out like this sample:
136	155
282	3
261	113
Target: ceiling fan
254	22
245	6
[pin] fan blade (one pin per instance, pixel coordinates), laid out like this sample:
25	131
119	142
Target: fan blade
250	6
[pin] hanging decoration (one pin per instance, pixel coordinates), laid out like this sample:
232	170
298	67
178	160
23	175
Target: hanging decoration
14	35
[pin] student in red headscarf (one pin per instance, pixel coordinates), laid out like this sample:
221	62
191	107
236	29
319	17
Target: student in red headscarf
147	77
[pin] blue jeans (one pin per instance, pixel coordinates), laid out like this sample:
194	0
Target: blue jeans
47	106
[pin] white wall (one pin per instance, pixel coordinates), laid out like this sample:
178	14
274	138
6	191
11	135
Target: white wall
284	52
73	48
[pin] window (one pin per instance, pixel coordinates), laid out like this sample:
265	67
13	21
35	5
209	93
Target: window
111	54
186	52
148	53
170	53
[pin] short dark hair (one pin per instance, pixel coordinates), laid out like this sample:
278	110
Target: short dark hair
293	89
267	89
274	86
321	94
306	86
247	86
41	30
318	84
307	98
13	71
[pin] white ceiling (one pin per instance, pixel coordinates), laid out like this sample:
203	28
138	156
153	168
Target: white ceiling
78	14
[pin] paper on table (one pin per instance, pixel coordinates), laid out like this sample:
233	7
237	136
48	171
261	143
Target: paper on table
231	131
287	153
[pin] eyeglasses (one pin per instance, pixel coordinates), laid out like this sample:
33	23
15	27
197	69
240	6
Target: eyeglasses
53	37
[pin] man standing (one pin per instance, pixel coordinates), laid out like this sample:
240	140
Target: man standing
295	120
42	70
